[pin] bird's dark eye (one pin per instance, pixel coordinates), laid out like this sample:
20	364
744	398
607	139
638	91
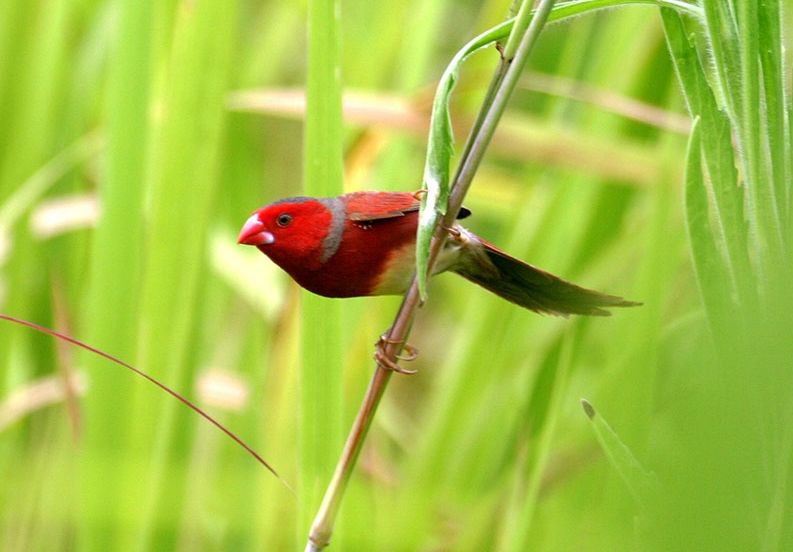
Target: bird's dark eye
283	220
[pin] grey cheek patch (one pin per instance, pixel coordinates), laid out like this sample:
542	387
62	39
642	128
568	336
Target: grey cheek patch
338	213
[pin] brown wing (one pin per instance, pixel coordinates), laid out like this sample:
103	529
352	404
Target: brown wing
373	206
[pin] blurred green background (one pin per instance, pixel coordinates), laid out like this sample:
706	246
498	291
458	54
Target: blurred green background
136	138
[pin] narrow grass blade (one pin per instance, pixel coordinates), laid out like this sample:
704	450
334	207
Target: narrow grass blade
183	181
722	28
111	315
321	407
763	207
712	274
775	96
518	532
178	396
642	485
719	161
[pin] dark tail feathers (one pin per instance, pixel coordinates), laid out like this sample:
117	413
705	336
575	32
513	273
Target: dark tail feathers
533	288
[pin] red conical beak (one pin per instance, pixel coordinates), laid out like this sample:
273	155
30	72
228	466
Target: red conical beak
253	232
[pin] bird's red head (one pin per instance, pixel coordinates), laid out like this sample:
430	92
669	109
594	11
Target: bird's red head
289	231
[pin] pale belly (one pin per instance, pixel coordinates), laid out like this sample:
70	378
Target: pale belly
401	265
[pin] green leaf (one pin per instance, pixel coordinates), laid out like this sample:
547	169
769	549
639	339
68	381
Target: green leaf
762	207
186	152
440	147
727	211
708	262
771	57
118	256
551	398
440	142
743	42
642	484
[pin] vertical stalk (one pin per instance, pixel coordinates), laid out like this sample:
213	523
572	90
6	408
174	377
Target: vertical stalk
320	425
478	141
116	259
763	209
186	149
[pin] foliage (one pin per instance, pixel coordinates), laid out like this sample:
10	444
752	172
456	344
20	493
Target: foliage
138	136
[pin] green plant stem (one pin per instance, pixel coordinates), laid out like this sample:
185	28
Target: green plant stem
110	311
436	181
481	140
522	21
322	528
321	427
762	206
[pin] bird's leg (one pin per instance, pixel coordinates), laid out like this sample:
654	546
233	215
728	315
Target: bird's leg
386	363
455	234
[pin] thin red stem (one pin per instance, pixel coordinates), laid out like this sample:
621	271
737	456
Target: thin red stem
501	87
76	342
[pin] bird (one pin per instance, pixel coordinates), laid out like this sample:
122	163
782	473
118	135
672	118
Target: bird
363	244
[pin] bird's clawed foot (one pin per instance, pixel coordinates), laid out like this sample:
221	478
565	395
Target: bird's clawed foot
454	233
383	361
